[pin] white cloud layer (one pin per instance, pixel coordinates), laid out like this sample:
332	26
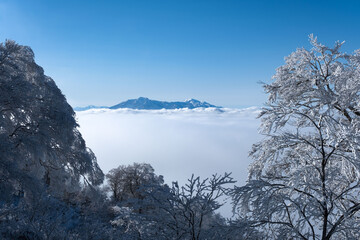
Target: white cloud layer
177	143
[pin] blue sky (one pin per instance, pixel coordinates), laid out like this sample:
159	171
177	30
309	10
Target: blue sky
104	52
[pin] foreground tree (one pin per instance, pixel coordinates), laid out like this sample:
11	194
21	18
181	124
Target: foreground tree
44	162
146	208
188	212
305	180
125	181
38	131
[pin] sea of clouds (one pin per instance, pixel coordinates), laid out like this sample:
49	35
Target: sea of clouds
177	143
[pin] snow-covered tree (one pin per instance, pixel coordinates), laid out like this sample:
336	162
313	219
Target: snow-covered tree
146	208
188	212
43	157
305	179
125	182
38	131
130	208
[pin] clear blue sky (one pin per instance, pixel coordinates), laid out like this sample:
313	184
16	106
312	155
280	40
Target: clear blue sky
104	52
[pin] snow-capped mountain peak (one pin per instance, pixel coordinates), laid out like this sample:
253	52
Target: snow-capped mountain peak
149	104
146	103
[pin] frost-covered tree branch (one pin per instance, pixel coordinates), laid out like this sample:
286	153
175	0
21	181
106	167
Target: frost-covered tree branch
304	182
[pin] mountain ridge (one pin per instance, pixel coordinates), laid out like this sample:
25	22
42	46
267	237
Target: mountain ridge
143	103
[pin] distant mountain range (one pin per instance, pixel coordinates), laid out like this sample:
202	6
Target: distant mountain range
148	104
